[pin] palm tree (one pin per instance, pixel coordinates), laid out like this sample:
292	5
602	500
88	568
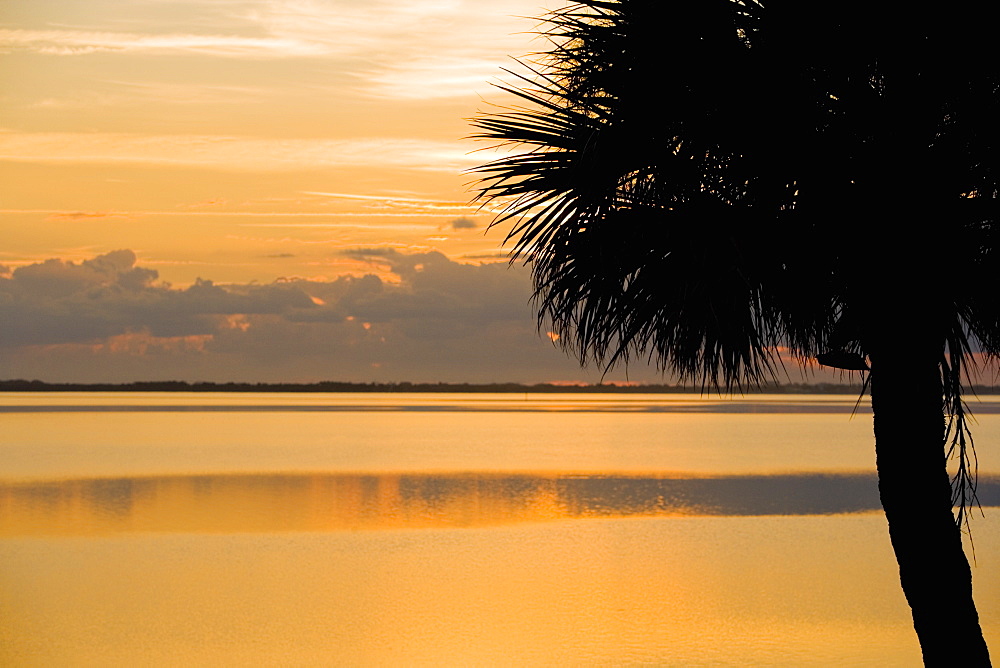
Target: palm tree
698	183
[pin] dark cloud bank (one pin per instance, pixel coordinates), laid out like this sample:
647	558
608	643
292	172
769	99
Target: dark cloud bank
110	320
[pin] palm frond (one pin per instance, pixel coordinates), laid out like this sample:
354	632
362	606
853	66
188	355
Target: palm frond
641	221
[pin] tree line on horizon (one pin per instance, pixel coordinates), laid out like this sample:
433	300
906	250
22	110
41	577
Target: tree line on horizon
21	385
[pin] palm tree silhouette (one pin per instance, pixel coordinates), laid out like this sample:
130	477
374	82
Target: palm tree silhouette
700	183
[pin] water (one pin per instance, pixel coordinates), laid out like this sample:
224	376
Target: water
167	529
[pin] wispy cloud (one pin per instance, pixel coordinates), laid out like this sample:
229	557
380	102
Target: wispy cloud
398	49
78	216
400	204
413	50
236	153
185	93
433	77
81	42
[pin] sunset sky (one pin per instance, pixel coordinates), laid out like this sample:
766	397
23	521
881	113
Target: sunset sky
258	190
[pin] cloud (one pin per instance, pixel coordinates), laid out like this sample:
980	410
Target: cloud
395	203
58	302
395	49
434	77
83	42
237	153
463	224
55	278
316	218
427	50
110	319
441	298
77	216
495	256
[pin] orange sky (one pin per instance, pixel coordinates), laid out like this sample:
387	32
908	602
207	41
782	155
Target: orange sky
246	140
269	149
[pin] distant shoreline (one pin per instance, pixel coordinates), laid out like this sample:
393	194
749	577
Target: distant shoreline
498	388
334	386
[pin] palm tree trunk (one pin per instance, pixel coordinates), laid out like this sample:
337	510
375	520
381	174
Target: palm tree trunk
916	495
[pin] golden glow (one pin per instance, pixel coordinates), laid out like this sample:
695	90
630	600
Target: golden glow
661	591
54	436
428	530
330	125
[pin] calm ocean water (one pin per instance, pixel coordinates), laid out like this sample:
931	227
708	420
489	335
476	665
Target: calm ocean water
368	529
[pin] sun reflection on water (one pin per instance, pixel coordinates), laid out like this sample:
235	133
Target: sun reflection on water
435	530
